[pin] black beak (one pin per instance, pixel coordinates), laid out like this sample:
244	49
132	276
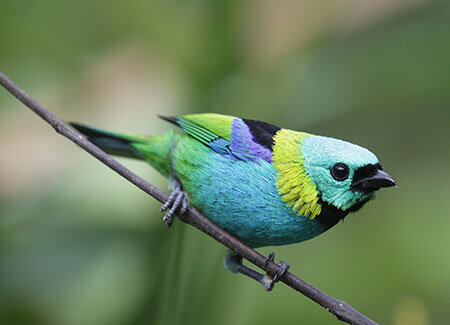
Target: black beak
377	179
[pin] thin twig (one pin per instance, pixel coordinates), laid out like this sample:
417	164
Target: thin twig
340	309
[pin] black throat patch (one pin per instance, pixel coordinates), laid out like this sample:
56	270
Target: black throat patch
330	215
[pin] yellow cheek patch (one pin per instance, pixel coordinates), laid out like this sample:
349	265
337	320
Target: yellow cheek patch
294	185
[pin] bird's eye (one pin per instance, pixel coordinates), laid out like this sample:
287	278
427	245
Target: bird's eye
340	172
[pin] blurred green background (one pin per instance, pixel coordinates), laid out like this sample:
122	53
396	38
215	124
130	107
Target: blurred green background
80	245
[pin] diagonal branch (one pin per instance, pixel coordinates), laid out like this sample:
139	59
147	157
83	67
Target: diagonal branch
340	309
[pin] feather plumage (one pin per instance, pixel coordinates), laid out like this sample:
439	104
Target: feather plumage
264	184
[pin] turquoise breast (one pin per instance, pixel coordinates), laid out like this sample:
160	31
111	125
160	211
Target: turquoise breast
241	197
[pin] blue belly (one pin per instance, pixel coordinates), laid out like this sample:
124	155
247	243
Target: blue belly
241	197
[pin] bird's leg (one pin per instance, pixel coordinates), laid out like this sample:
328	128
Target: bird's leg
177	201
233	263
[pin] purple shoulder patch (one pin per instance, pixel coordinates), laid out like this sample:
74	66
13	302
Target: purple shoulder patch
242	141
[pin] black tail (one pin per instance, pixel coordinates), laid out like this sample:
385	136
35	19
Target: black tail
110	142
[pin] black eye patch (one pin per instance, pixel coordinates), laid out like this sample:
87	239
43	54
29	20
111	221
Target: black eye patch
366	172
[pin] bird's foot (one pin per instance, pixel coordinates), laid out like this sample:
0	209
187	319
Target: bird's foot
269	281
233	262
177	202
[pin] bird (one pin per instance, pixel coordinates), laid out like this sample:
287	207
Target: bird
265	185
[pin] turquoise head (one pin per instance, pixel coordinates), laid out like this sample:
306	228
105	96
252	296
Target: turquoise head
345	175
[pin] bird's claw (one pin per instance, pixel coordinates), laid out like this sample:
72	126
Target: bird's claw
177	201
268	281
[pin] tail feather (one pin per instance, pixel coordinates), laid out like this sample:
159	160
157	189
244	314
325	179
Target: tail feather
110	142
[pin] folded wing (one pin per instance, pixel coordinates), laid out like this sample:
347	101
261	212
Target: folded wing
230	136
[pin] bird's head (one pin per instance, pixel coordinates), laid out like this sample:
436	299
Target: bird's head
316	168
345	174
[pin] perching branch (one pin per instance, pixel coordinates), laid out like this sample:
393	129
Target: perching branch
340	309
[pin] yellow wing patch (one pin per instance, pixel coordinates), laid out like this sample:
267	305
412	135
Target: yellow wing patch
294	185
